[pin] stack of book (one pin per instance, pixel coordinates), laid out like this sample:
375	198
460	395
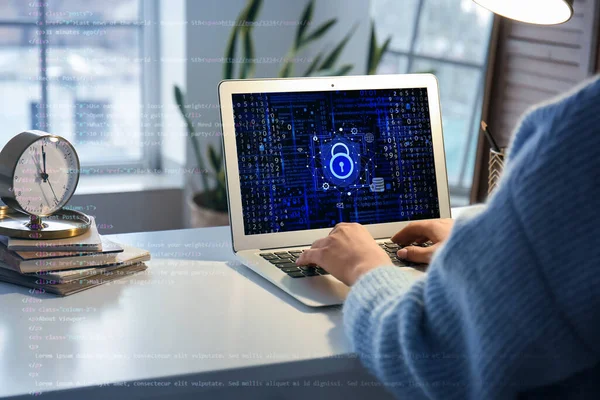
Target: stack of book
67	266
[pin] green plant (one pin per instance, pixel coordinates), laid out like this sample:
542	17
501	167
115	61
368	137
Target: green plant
243	27
324	64
375	52
215	196
321	65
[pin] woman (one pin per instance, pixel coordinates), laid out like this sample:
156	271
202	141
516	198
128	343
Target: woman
510	305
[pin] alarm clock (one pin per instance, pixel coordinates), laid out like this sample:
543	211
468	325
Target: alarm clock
39	173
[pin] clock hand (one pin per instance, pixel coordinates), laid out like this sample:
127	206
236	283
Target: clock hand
48	180
40	174
44	174
43	193
37	165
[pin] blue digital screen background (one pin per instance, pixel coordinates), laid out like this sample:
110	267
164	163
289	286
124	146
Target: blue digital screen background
308	160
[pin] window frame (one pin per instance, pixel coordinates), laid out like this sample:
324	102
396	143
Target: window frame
463	189
150	75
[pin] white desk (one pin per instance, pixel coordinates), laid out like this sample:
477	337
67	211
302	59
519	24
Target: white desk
182	321
194	317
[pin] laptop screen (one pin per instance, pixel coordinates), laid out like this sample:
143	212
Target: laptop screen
308	160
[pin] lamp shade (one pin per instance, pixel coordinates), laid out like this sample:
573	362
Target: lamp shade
541	12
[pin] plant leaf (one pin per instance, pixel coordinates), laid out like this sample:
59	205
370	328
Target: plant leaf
180	100
337	51
220	157
320	31
286	70
221	178
373	50
230	52
313	66
250	14
343	70
221	192
252	11
382	50
248	66
214	158
178	97
305	21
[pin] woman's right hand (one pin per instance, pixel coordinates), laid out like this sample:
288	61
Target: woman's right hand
435	231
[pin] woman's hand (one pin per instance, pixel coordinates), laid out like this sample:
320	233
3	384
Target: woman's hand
347	253
435	231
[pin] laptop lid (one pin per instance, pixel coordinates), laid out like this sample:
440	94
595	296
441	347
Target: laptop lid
304	154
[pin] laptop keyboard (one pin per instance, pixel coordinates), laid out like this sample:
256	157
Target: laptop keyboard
286	261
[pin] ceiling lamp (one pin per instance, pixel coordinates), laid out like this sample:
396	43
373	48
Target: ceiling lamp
541	12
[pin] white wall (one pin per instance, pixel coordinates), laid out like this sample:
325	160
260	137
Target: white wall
207	38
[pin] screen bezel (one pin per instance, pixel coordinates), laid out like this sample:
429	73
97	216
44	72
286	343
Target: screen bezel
227	88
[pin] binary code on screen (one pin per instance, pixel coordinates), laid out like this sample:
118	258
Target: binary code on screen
309	160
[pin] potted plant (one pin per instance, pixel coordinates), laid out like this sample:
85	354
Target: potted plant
209	208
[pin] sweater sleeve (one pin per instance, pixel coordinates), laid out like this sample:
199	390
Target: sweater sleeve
510	302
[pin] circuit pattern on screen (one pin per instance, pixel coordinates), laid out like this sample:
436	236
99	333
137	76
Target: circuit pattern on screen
309	160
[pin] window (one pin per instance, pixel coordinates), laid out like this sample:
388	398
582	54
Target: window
451	39
79	69
92	126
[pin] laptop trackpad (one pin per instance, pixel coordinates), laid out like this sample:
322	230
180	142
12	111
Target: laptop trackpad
322	290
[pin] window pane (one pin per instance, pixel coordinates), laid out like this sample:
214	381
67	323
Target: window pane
458	90
19	82
18	38
92	10
392	64
11	10
94	92
396	19
454	29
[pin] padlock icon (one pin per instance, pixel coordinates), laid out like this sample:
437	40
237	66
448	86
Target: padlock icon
341	165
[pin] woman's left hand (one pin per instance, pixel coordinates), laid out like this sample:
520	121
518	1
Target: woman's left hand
347	253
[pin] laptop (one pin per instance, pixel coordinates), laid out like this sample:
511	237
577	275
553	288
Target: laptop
303	154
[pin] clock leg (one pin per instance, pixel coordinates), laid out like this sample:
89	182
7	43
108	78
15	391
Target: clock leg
35	223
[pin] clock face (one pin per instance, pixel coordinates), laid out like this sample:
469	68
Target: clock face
46	176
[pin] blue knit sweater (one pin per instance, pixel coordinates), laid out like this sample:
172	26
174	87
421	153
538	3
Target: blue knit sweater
510	307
